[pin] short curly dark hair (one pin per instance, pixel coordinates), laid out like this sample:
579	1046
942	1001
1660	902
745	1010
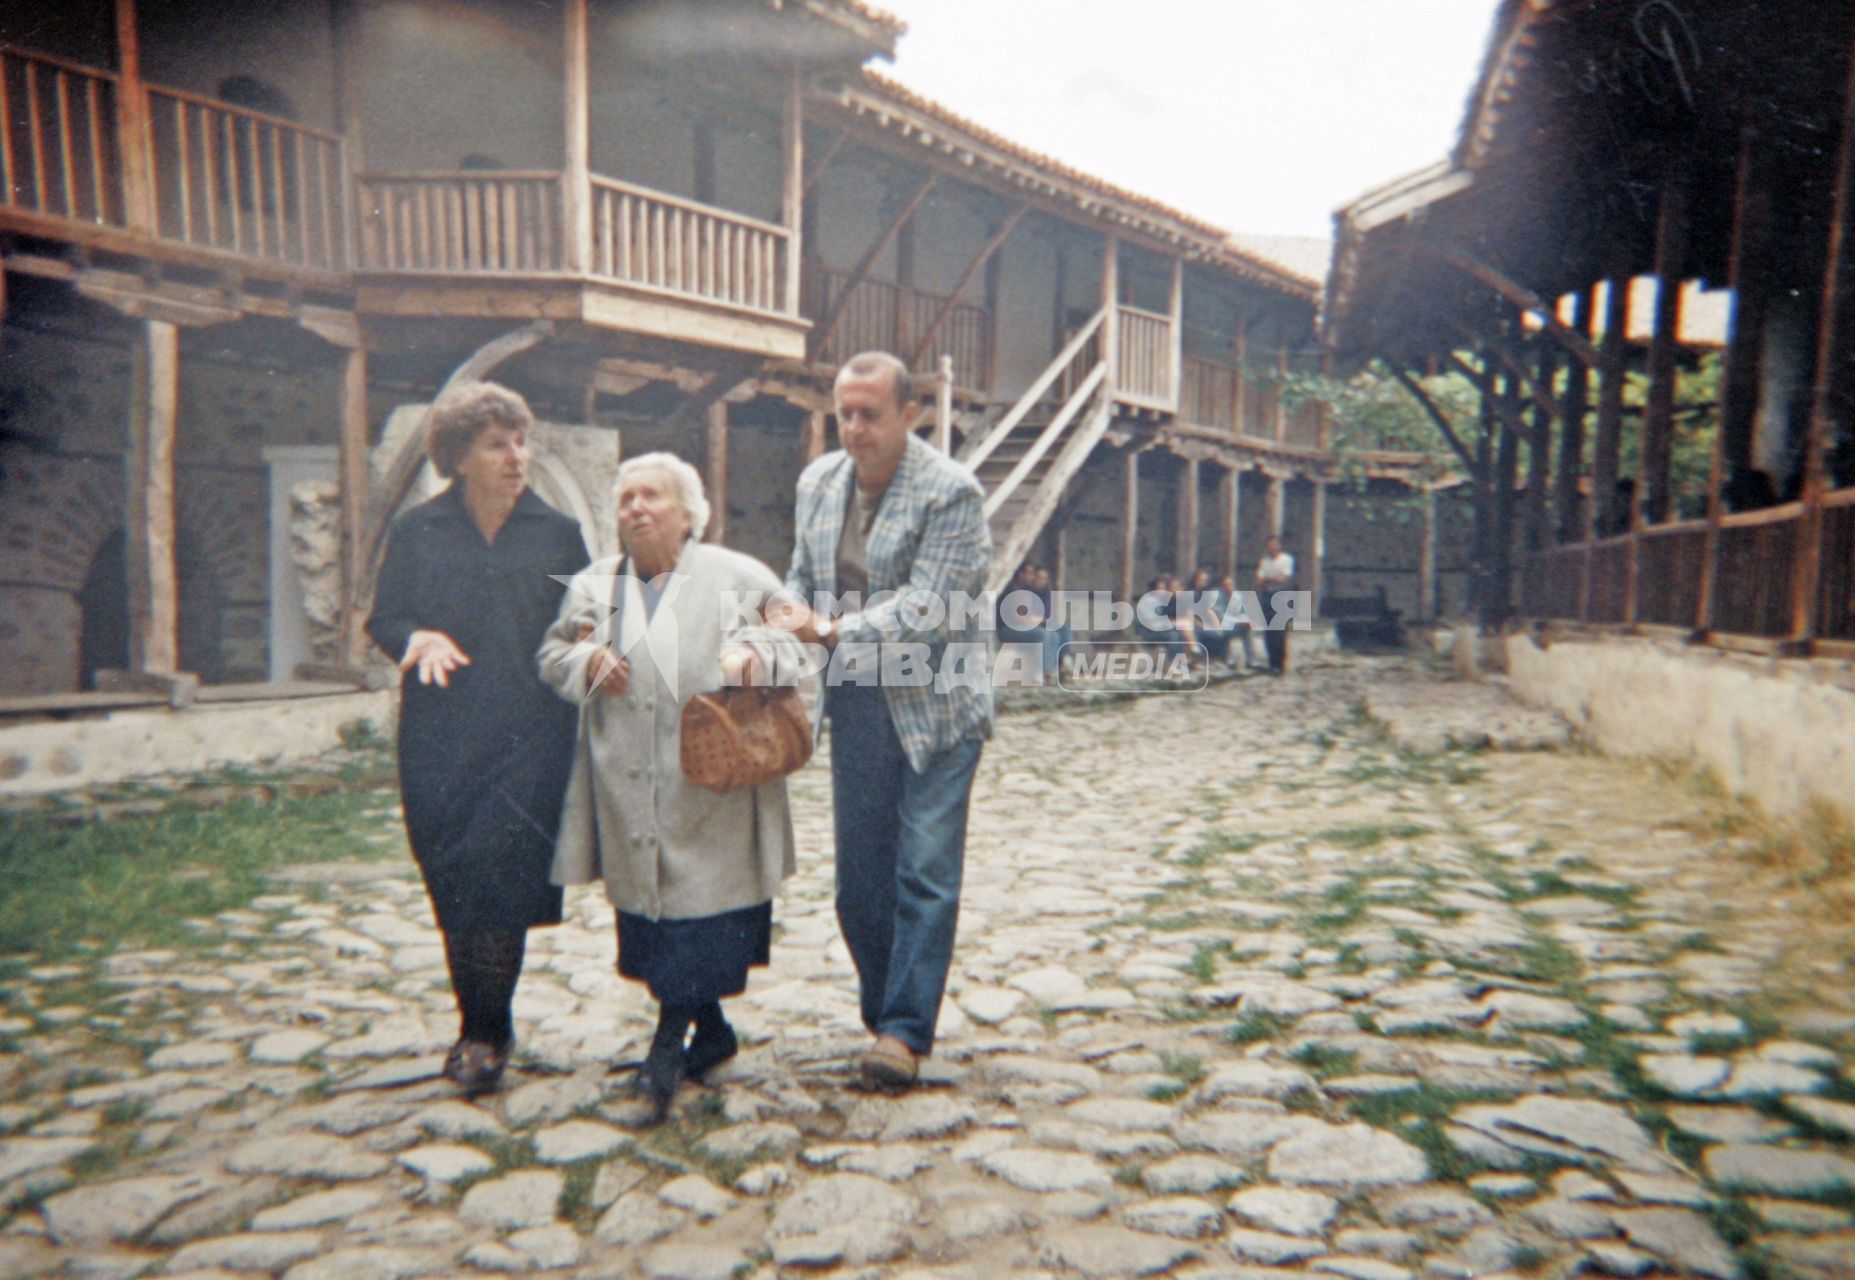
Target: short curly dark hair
464	413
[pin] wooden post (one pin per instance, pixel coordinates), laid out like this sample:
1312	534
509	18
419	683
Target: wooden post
718	472
1317	542
792	184
354	486
138	186
943	408
1281	368
1186	542
1604	513
1506	474
1568	520
1111	318
576	187
154	588
1539	455
1272	505
1229	494
1483	557
1426	558
1830	333
1130	522
814	435
1175	372
1239	352
1671	235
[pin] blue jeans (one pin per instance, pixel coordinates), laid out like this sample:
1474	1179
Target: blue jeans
901	847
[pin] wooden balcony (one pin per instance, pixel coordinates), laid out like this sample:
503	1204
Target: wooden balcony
886	317
476	243
1147	377
226	186
1208	394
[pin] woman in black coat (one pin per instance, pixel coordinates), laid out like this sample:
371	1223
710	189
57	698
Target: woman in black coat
466	593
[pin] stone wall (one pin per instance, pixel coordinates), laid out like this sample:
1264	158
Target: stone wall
1780	732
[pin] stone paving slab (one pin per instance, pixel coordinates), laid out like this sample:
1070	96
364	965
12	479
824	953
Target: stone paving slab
1242	990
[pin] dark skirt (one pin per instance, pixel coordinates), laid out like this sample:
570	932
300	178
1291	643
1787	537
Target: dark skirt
696	960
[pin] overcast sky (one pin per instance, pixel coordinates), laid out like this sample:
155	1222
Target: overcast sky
1258	115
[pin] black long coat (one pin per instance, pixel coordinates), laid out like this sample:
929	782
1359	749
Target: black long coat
483	764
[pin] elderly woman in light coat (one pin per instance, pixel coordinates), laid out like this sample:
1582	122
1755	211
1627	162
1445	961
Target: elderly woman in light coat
691	872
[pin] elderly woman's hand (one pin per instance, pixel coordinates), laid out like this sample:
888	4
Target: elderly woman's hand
435	655
741	668
609	674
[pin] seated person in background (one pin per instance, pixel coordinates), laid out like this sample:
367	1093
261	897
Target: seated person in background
1206	601
1240	629
1153	612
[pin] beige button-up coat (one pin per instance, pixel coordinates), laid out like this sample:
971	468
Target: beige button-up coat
665	848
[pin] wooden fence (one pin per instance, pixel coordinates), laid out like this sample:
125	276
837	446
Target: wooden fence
58	154
660	241
501	222
1145	372
885	317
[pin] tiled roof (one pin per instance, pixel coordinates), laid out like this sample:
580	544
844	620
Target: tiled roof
1096	196
1306	256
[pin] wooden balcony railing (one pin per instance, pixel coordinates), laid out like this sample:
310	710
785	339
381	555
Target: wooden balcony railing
58	153
502	222
1145	369
1754	575
663	242
1208	397
242	182
885	317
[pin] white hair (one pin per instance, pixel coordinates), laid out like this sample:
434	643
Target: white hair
685	482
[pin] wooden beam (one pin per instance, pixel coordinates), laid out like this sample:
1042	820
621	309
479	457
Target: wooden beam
792	183
576	188
1517	294
1506	475
353	488
1539	452
943	408
1273	506
132	126
1130	522
1317	541
1505	407
973	268
1605	516
1831	333
154	583
1429	406
1229	498
827	323
1671	238
1483	559
1573	400
1111	320
1185	525
1426	558
717	476
814	435
1239	355
1175	358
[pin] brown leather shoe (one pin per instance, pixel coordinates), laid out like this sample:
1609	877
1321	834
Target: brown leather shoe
888	1065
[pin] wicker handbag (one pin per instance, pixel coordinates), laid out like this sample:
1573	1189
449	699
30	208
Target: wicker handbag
743	737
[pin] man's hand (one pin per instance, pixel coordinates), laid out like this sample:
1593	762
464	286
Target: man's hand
435	655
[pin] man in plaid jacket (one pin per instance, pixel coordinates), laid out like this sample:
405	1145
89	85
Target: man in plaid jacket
895	532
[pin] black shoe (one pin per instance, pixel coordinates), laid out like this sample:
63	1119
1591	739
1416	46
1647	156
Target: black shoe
659	1077
708	1051
475	1067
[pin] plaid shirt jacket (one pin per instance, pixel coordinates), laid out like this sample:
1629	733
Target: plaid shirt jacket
929	539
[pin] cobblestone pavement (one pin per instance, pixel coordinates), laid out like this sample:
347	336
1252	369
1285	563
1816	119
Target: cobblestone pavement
1242	990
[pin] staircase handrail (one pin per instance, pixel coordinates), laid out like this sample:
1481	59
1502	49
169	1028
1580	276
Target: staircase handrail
981	451
1006	487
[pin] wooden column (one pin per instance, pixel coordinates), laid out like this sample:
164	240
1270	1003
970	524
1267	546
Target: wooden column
1568	520
1506	477
148	555
1229	494
1317	542
792	184
1539	454
354	486
1832	330
943	408
1272	506
1279	429
576	188
137	177
814	435
1175	373
1605	515
1111	318
1130	523
1239	353
1671	234
1426	558
1186	542
718	472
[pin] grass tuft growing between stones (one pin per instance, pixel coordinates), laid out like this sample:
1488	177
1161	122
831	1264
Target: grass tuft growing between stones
138	880
1369	835
1253	1028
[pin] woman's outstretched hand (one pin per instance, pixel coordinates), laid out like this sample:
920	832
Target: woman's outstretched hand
435	655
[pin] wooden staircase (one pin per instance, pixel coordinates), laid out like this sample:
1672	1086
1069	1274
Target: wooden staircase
1027	459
